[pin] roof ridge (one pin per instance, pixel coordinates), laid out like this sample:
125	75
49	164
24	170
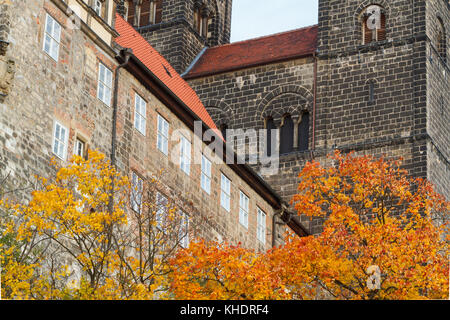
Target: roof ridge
263	37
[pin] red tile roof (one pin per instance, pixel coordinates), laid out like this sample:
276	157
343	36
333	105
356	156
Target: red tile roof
239	55
130	38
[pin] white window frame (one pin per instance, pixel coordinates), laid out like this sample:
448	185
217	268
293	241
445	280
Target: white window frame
52	37
225	192
185	155
261	225
184	230
58	141
97	6
140	114
205	180
104	85
162	141
161	209
79	148
137	188
244	204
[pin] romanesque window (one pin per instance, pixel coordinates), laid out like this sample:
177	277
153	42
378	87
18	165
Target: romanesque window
287	135
441	41
261	226
270	125
303	132
150	12
243	209
104	87
202	20
140	111
52	37
60	140
373	24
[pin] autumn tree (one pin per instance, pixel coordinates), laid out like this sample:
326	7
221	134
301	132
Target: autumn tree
385	236
88	233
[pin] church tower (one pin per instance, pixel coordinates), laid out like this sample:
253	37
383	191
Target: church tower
180	29
383	84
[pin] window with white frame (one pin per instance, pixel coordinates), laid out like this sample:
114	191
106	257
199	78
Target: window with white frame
137	186
243	209
185	155
225	194
206	175
140	111
161	209
184	230
80	148
163	135
52	37
98	7
261	226
60	139
104	84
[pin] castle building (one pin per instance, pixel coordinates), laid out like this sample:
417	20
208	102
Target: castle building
372	76
77	76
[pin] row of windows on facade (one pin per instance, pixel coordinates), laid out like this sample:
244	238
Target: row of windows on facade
150	12
104	88
374	29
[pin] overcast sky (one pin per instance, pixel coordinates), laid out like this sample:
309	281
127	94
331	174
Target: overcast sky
256	18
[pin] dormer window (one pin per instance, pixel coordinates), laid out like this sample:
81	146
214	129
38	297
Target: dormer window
98	7
373	24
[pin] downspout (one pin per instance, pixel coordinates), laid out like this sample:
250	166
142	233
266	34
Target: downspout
125	55
314	106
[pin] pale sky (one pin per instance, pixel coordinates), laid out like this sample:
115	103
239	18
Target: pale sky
256	18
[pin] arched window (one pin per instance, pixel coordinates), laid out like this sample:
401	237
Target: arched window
287	135
270	125
223	129
373	24
303	133
202	20
441	41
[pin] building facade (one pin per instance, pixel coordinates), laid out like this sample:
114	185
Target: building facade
372	76
76	76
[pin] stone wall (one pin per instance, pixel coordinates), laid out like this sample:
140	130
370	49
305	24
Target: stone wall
44	91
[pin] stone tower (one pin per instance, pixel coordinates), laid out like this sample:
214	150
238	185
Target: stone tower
383	82
180	29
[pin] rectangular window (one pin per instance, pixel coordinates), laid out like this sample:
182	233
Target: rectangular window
136	192
163	135
80	148
243	209
140	118
52	37
206	175
261	230
98	7
184	230
161	209
225	193
104	84
60	138
185	155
